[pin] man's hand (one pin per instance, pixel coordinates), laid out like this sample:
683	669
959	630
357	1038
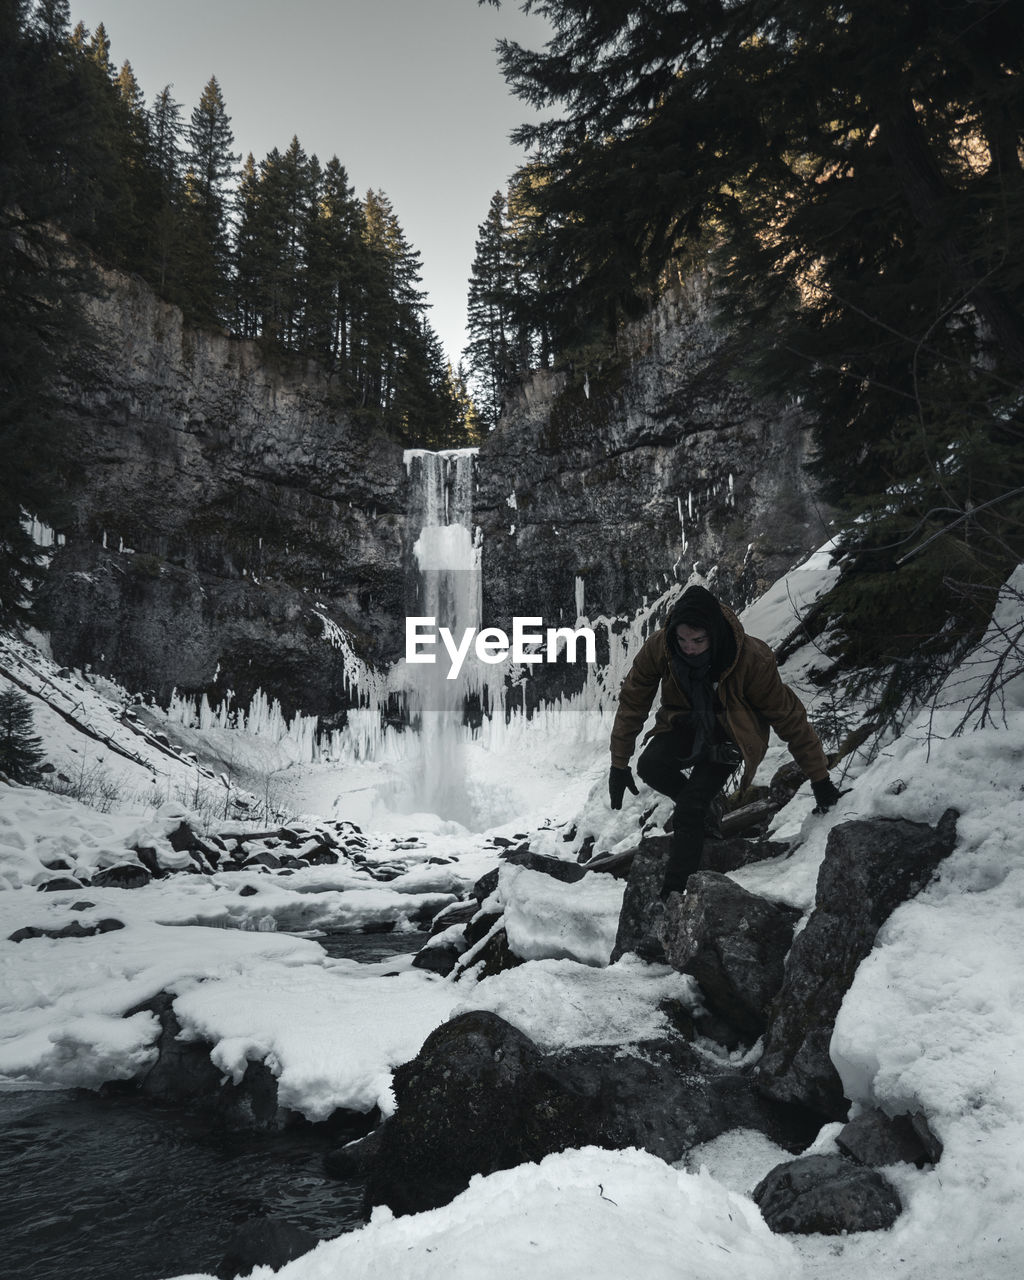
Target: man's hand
826	794
618	781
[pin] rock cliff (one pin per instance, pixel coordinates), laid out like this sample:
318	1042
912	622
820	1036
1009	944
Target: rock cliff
221	511
633	475
224	512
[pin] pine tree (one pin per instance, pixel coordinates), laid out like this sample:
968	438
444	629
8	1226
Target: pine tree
248	269
489	351
854	178
335	267
41	319
393	305
209	167
21	752
166	160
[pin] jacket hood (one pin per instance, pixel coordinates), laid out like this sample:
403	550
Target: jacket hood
697	607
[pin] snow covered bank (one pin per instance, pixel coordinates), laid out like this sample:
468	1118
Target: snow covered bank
586	1213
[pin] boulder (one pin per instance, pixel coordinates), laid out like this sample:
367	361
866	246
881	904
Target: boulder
440	958
355	1158
454	913
480	926
182	838
641	906
734	943
557	868
128	875
870	867
73	930
877	1139
734	852
481	1096
459	1107
264	1242
58	883
829	1195
184	1073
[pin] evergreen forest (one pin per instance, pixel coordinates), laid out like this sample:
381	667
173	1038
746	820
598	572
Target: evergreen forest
849	180
281	250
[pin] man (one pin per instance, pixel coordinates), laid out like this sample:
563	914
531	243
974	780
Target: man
720	694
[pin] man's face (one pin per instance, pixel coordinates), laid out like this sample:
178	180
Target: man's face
693	641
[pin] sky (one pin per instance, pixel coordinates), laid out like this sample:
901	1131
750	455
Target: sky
407	93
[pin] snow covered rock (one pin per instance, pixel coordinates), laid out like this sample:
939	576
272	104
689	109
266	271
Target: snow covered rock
127	875
870	867
481	1096
183	1072
73	930
734	943
826	1194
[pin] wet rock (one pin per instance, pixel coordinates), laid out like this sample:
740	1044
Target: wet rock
480	926
734	943
264	1242
641	906
829	1195
485	886
441	959
480	1096
457	1100
149	859
184	1073
247	891
58	883
354	1159
320	857
454	913
182	838
264	859
732	853
870	867
73	930
557	868
128	875
877	1139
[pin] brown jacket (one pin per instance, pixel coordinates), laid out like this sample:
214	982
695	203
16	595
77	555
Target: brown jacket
751	695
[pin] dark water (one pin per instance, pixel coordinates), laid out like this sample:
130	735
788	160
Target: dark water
368	948
123	1189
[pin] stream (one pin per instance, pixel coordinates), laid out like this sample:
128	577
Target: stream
118	1188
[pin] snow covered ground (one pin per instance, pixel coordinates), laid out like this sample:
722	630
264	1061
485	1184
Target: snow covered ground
934	1021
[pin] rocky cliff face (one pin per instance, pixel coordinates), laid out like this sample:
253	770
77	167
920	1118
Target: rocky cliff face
224	512
637	474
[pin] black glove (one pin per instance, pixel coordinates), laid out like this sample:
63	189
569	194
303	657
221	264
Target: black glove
826	794
618	781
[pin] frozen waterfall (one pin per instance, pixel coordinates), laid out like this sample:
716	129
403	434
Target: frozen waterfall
447	553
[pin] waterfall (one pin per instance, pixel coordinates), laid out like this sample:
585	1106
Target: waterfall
447	554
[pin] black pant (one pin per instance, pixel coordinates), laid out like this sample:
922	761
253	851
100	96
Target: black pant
661	766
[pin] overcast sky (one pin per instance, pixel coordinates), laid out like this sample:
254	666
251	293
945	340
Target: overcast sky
407	94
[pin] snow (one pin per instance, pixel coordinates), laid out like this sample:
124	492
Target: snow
546	919
561	1003
934	1020
583	1213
